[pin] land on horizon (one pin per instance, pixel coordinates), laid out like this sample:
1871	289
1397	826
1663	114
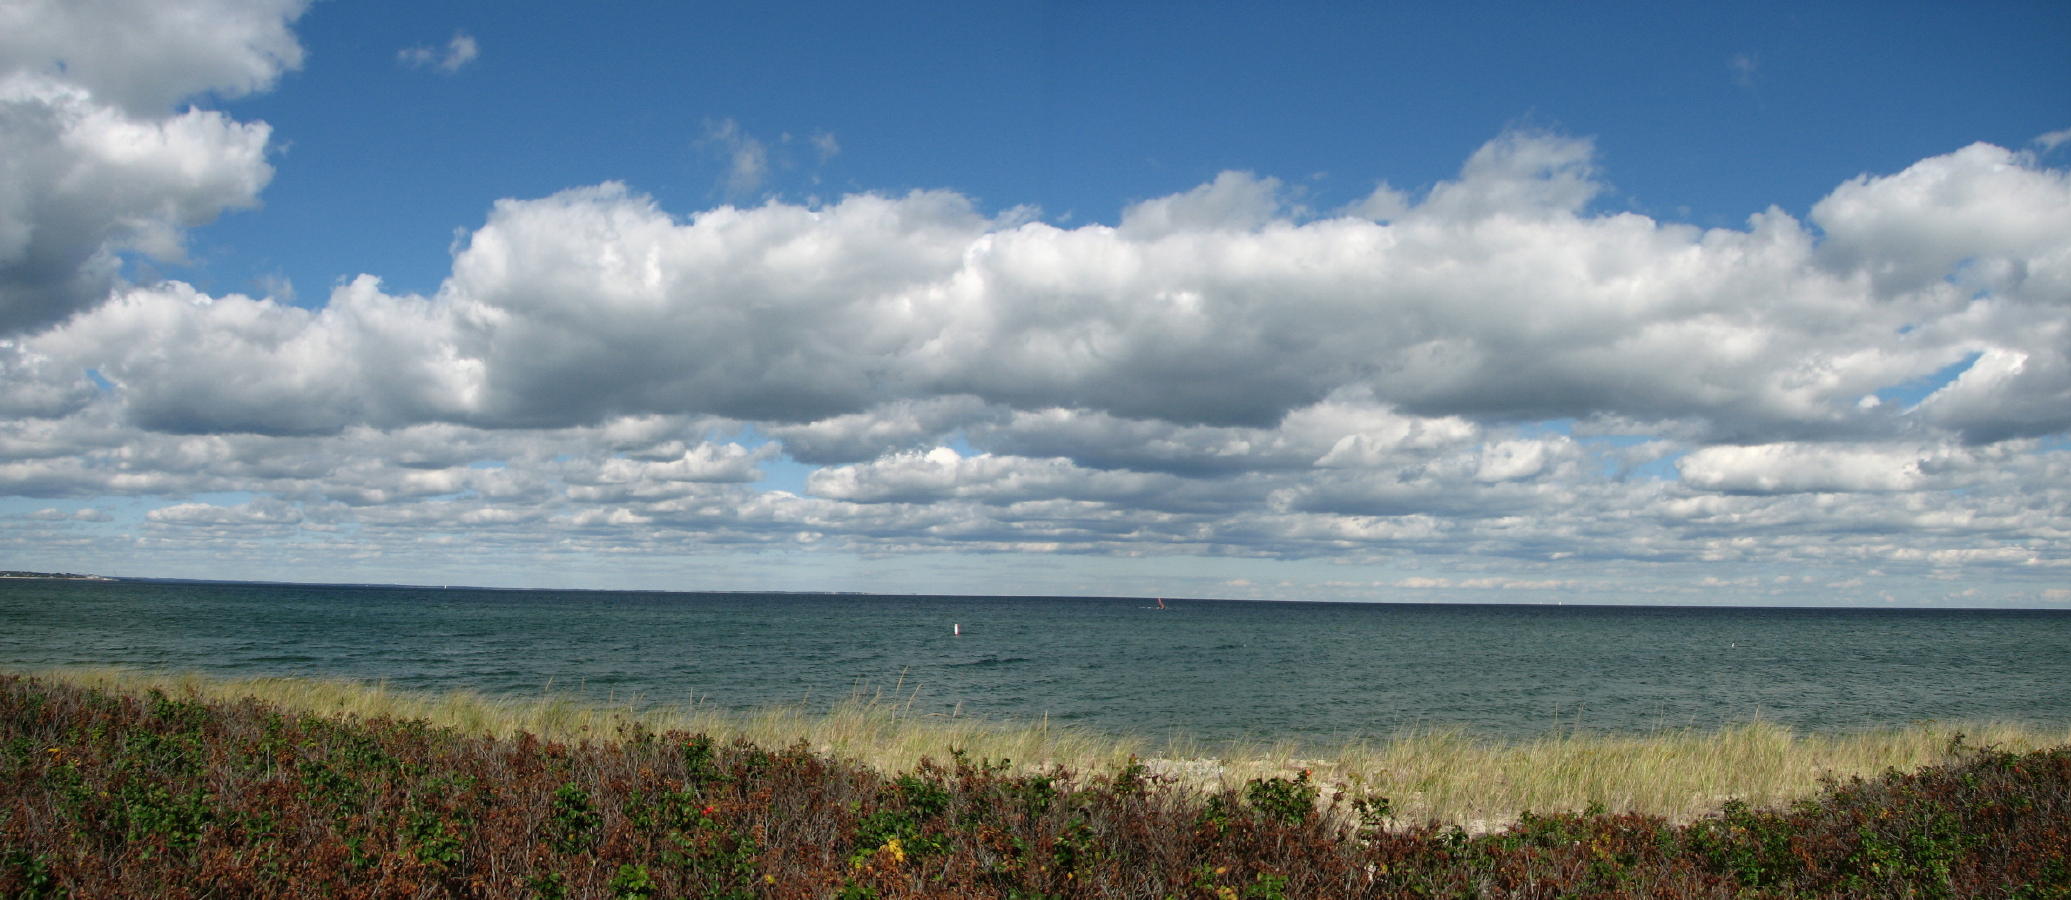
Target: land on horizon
56	576
1409	600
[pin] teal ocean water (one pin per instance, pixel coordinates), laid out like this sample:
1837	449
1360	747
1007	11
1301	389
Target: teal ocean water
1216	670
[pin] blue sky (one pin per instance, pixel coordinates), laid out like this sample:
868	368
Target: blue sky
1330	301
1701	113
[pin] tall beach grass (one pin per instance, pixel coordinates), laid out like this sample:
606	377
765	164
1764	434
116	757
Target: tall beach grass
1449	775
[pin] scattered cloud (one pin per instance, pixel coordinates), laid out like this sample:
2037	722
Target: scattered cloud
825	146
257	512
1786	468
53	514
751	162
458	52
746	158
1744	67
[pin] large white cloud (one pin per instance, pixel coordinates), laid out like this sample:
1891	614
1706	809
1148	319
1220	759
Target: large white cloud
1985	227
143	55
1219	374
93	162
1496	299
1969	212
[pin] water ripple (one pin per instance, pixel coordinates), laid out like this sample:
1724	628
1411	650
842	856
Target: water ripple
1221	670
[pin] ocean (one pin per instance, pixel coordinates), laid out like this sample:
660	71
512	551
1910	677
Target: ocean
1212	670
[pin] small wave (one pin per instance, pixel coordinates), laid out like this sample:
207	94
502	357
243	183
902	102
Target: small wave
991	661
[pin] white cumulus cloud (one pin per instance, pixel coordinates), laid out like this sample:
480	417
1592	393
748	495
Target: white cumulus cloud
1496	298
1486	370
94	163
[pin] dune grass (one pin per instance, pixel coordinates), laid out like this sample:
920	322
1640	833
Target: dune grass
1447	775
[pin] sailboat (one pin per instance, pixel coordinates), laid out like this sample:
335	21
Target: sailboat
1161	603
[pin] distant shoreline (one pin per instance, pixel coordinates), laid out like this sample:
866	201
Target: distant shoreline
54	576
1578	605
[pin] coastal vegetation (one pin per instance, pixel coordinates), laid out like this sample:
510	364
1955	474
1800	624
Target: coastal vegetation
1449	775
132	789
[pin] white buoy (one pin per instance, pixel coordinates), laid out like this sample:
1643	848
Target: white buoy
957	630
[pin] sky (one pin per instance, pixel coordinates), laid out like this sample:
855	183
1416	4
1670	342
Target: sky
1763	303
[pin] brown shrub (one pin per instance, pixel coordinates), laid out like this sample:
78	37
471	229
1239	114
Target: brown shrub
108	795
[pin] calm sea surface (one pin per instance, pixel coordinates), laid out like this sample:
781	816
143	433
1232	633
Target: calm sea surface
1214	670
